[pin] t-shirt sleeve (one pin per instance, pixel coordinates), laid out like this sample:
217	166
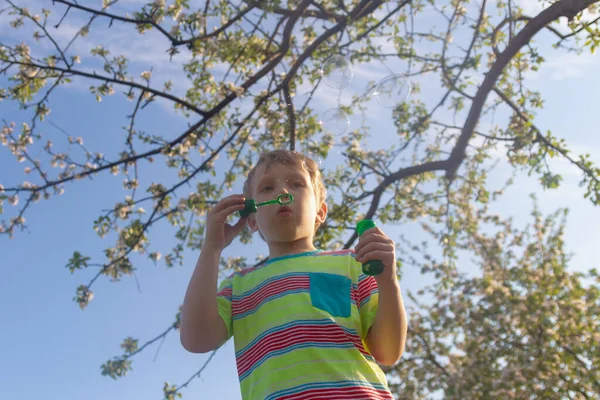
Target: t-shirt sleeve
224	295
367	298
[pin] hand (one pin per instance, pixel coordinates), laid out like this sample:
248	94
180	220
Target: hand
220	234
373	244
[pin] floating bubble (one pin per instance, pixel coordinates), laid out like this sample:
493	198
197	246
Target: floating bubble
337	72
334	121
392	91
313	155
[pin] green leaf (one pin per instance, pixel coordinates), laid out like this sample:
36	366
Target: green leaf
78	261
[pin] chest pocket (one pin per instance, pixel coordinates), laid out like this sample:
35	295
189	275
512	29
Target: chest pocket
331	293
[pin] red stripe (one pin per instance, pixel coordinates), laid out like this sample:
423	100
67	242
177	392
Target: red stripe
227	292
340	393
354	295
365	288
272	289
333	252
357	341
290	337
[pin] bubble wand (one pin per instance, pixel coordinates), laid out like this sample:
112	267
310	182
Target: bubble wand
251	206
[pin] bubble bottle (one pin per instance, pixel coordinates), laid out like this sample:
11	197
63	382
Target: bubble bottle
371	267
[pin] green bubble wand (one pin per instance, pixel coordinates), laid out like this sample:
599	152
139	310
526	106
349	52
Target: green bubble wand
251	206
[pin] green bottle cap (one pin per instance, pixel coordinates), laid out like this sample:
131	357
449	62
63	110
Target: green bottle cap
250	207
364	225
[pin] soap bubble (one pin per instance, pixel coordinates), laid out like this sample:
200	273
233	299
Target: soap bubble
392	91
313	155
334	121
337	72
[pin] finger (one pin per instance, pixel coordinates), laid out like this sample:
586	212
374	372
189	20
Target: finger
380	255
222	215
370	231
229	201
364	240
369	235
234	199
373	246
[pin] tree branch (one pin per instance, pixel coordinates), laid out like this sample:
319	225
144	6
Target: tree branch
289	107
155	92
562	8
175	42
391	179
377	25
541	138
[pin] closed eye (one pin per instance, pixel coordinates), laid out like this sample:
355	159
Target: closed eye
296	184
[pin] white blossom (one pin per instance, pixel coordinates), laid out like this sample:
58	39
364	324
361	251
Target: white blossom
123	212
146	75
175	30
180	17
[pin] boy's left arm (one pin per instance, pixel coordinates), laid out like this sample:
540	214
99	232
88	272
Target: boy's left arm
387	335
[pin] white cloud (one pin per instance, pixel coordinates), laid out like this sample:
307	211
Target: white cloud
569	65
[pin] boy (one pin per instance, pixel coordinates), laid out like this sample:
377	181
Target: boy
307	324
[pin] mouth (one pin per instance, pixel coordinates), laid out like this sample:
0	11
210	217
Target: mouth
284	211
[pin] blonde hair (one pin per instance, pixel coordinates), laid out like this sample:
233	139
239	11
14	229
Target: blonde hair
282	156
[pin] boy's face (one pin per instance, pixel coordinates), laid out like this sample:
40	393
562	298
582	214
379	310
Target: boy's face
299	222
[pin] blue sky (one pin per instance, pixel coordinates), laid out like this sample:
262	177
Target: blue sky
53	350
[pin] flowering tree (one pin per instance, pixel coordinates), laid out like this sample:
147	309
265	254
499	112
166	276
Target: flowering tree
525	327
244	65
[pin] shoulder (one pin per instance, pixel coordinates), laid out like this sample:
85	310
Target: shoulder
343	262
243	272
338	253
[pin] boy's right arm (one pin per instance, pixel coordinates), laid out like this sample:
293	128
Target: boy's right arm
202	329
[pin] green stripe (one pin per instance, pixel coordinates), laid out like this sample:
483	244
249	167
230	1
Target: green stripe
300	367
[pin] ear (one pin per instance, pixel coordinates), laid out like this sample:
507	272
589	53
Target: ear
322	213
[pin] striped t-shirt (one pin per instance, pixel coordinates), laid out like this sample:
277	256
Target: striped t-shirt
299	324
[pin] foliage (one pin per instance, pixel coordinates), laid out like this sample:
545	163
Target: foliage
525	327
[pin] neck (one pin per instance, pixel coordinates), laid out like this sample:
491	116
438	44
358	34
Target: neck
280	249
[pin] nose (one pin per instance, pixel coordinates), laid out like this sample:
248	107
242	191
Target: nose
286	192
